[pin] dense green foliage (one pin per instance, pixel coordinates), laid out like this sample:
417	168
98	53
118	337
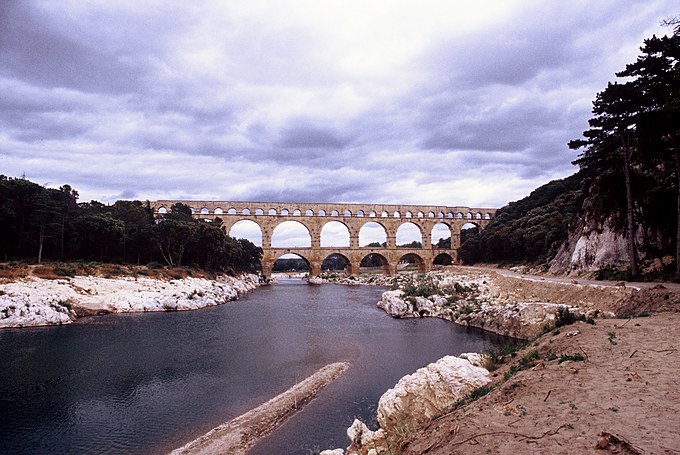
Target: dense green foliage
529	230
38	223
629	172
631	153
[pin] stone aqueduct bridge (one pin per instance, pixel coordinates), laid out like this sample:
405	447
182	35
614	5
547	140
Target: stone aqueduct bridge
314	216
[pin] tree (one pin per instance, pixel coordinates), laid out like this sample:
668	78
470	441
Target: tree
656	77
137	219
98	233
445	243
638	123
414	244
171	238
616	110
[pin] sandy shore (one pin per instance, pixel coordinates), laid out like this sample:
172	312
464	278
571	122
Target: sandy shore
238	435
618	395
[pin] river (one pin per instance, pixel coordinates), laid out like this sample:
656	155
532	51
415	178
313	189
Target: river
150	382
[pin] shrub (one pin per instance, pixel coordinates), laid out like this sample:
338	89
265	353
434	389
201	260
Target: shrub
479	392
64	270
572	357
611	273
529	359
565	317
496	356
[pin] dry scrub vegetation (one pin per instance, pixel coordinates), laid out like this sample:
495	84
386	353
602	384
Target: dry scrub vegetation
11	271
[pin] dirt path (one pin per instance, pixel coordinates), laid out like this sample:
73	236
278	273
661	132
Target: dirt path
623	397
557	279
238	435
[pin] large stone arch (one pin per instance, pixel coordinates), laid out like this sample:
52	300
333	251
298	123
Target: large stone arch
474	223
334	229
350	267
281	256
283	231
442	259
246	232
385	263
467	228
404	237
413	257
371	225
440	230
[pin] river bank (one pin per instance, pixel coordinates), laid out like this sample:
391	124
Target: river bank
601	384
33	301
495	300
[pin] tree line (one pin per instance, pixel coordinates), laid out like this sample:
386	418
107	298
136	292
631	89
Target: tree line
529	230
39	224
629	173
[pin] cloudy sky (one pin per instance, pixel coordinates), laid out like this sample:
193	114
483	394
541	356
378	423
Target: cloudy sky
424	102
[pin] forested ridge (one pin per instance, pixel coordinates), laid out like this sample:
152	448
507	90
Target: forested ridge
628	179
40	224
529	230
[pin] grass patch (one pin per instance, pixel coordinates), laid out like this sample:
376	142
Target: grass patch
572	357
496	356
565	317
479	392
510	373
611	336
64	270
529	359
641	314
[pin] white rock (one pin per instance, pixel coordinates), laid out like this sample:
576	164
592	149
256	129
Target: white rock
362	437
35	301
424	304
332	452
474	358
393	303
429	392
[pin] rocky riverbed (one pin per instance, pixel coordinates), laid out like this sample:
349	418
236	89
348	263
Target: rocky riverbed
32	301
514	307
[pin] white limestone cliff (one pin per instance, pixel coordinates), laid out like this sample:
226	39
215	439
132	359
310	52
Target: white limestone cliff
589	247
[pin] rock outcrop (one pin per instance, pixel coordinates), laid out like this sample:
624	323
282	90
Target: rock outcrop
429	392
35	301
483	307
414	401
588	248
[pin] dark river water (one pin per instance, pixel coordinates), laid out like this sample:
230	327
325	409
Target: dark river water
151	382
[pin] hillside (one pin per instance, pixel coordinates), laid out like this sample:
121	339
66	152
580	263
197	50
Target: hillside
530	230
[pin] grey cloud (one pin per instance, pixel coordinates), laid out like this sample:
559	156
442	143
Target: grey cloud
493	105
311	137
32	51
497	128
541	37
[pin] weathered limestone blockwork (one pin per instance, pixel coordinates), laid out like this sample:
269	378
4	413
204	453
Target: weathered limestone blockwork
268	215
